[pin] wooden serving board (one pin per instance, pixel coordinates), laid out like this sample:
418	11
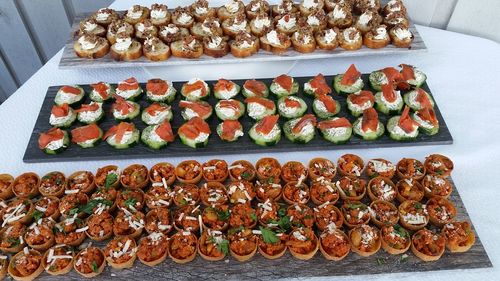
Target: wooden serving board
215	145
260	268
70	60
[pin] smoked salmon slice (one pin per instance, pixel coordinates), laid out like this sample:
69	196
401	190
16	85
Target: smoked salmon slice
428	114
194	127
329	103
406	123
129	84
157	86
233	104
256	87
223	85
85	133
289	102
122	105
88	107
262	101
369	121
337	123
201	108
306	119
71	90
101	88
407	72
155	108
423	99
362	97
318	83
119	131
285	81
49	136
266	125
198	85
60	110
392	74
164	131
350	76
229	128
388	92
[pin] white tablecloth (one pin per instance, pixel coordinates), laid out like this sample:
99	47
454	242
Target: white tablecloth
463	73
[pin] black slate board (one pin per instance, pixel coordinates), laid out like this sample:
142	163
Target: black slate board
215	146
260	268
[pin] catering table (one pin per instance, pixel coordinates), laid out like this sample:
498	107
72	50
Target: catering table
462	72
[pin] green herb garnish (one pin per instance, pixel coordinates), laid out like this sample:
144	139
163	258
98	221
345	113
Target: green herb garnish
246	175
401	232
253	216
14	242
380	261
356	206
90	206
37	215
183	202
74	211
418	205
94	266
110	180
222	246
268	235
130	202
222	215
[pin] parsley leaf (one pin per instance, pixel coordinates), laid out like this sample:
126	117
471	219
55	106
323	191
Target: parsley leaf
130	202
110	180
356	206
401	232
253	216
74	211
37	215
268	235
13	241
90	206
246	175
94	266
222	215
183	202
380	261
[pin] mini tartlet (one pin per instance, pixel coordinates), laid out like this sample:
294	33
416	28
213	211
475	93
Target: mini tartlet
268	190
120	252
153	249
216	217
53	184
441	211
409	189
187	218
380	167
6	181
413	215
240	192
321	167
303	243
395	239
273	245
334	244
135	176
381	188
127	224
213	245
215	170
90	262
213	193
350	165
58	260
383	213
243	215
355	213
436	186
300	215
82	181
328	216
100	227
158	220
439	165
70	231
410	168
183	247
296	192
161	172
185	194
26	185
459	236
242	170
189	171
427	245
323	192
25	265
242	243
365	240
351	188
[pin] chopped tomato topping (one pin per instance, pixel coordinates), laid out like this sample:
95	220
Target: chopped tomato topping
392	74
285	81
388	92
262	101
428	114
350	76
407	72
198	85
306	119
155	108
256	87
223	85
88	107
85	133
328	101
164	131
266	125
423	99
290	102
229	128
71	90
362	97
405	121
318	83
49	136
201	108
157	86
119	131
60	110
233	104
101	88
194	127
337	123
369	122
123	105
129	84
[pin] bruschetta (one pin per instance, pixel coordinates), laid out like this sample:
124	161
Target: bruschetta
351	39
275	42
91	46
154	49
182	17
125	48
188	48
244	45
340	16
159	14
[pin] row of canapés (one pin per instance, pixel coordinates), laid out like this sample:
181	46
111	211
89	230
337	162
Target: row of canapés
281	229
156	33
266	131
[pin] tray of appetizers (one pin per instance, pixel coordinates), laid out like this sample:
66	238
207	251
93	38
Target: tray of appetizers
214	220
239	32
159	118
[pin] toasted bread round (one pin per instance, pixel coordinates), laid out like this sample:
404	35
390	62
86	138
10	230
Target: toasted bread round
178	51
217	52
160	52
276	49
133	53
244	52
372	43
100	50
145	15
301	47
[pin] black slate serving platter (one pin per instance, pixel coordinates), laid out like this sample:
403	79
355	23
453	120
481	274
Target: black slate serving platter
215	145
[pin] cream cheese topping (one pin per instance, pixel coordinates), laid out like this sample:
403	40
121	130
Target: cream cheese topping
123	44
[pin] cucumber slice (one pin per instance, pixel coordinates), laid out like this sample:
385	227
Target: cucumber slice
257	111
409	99
131	141
195	95
388	108
356	110
188	113
248	93
199	142
151	139
168	97
426	127
95	96
158	118
419	80
225	95
291	112
265	140
92	142
73	100
128	117
229	114
396	133
377	79
321	111
237	135
91	117
129	95
344	89
305	136
337	135
65	144
280	92
63	122
368	135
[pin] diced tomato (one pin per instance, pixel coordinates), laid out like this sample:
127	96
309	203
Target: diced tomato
337	123
60	110
362	97
88	107
129	84
223	85
157	86
229	128
428	114
392	74
85	133
388	92
369	121
290	102
154	108
306	119
406	123
194	127
285	81
71	90
262	101
49	136
256	87
119	131
318	83
407	72
101	88
328	101
201	108
350	76
164	131
266	124
198	85
423	99
233	104
123	105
